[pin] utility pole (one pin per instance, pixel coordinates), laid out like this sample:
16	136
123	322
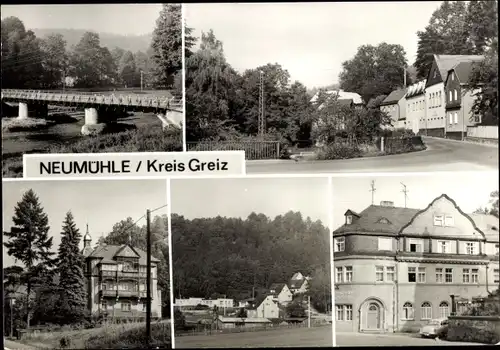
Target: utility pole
404	77
142	78
372	190
405	191
261	118
148	278
309	311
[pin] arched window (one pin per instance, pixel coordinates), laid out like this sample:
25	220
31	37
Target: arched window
444	310
426	311
408	311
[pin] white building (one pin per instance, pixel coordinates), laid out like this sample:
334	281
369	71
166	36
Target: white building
416	107
220	302
264	307
281	293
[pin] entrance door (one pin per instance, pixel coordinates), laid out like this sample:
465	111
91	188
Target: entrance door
373	317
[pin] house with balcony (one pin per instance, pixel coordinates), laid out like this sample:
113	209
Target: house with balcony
416	107
396	268
394	105
115	280
459	101
434	91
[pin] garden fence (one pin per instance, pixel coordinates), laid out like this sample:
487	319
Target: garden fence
253	149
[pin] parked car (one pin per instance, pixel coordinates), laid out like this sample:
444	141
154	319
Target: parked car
433	328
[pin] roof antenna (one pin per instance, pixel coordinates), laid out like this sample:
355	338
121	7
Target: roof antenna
405	191
372	190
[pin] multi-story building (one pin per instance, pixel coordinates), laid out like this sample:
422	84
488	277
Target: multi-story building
459	101
394	105
116	281
396	268
220	302
434	91
415	107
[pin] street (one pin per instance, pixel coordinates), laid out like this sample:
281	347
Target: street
441	155
362	339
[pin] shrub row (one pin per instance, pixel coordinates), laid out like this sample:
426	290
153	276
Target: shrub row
472	331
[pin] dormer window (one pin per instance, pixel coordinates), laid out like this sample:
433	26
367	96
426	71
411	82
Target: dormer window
348	220
448	221
384	221
438	220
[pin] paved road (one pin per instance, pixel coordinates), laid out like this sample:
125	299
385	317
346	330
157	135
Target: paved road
441	155
360	339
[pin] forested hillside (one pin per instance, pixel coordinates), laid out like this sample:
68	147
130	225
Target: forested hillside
229	256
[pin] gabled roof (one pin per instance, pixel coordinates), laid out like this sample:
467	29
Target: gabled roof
462	71
259	300
446	62
356	98
394	97
351	212
107	253
277	287
488	224
296	284
416	89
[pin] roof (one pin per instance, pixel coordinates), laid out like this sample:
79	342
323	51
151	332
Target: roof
463	70
394	97
488	224
416	89
296	284
108	252
259	301
368	220
356	98
447	62
277	287
244	320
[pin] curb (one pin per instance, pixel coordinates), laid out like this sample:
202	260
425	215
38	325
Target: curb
487	144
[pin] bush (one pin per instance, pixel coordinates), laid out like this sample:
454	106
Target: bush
339	151
400	132
472	331
28	124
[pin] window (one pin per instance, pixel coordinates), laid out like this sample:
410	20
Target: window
339	275
496	275
438	219
125	306
426	311
412	275
448	221
475	276
466	275
439	275
348	273
408	311
456	117
452	77
421	275
391	274
144	306
443	247
344	312
379	273
340	312
444	310
450	97
415	245
455	92
104	305
448	275
104	286
385	244
348	219
348	312
339	244
470	248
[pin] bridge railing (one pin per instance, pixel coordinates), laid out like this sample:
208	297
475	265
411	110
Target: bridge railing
89	98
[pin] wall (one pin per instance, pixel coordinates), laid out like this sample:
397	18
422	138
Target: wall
435	107
480	131
481	329
415	112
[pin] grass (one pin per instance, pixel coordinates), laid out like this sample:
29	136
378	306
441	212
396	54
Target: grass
111	336
28	124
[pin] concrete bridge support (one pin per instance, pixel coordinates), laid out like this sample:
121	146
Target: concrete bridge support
32	110
93	124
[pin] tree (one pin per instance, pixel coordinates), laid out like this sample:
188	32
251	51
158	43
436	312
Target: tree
242	313
493	206
70	267
482	22
55	61
295	309
167	45
21	56
179	319
127	70
375	70
320	289
29	242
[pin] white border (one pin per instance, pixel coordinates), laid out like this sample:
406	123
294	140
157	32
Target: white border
183	48
331	225
170	265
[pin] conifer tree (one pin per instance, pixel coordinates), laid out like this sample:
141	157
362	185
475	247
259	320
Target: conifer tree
29	243
70	267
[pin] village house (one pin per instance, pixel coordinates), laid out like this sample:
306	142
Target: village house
434	91
459	101
265	306
192	302
281	293
299	283
396	268
115	279
394	105
416	107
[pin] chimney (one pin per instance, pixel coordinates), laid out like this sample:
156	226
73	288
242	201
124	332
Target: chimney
387	204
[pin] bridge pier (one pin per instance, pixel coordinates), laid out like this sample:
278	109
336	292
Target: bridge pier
93	125
171	119
35	110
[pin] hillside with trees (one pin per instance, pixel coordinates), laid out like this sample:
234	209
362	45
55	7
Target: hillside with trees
219	256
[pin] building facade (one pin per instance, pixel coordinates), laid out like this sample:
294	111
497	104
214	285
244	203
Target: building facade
115	279
281	293
394	105
191	302
397	268
298	283
416	107
459	101
264	307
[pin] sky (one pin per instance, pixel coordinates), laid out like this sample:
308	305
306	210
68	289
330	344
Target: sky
239	197
469	190
99	203
125	19
310	40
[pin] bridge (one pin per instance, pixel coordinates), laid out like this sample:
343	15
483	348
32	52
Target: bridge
35	104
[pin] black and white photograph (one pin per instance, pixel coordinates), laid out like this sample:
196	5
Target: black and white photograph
90	78
416	260
345	86
90	271
251	262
